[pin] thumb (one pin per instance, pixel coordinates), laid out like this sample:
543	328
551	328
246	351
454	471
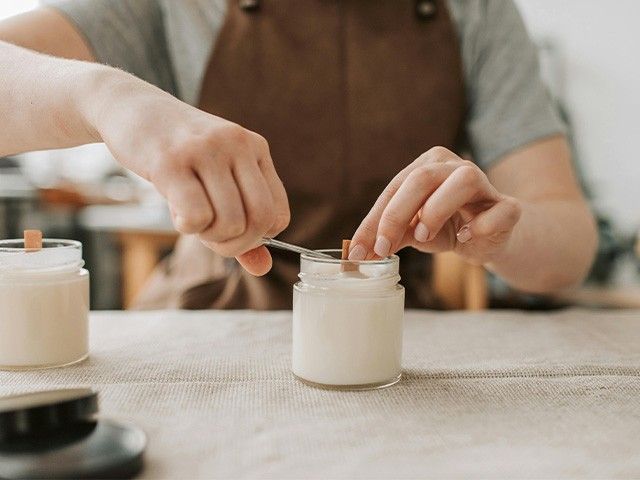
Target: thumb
257	261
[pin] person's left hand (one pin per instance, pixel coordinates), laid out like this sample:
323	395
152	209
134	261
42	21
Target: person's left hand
438	203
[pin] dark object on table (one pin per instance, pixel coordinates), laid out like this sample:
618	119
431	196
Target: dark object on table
55	434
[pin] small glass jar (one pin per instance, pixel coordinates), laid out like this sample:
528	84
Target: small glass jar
347	323
44	305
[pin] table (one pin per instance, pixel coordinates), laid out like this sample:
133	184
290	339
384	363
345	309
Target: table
493	394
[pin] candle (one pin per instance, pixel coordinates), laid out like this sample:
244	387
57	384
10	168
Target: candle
44	303
347	323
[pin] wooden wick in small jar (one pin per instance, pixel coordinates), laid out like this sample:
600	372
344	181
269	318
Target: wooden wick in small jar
347	266
32	240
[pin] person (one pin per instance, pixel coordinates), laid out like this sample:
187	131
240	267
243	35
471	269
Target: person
420	124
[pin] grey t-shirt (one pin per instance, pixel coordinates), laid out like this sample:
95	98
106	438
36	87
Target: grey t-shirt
168	43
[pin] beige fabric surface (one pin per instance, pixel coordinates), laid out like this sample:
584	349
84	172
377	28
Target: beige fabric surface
492	395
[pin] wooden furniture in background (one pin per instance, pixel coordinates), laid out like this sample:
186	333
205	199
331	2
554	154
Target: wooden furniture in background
460	285
141	252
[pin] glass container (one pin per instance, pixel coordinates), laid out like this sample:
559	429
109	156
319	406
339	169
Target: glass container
347	323
44	305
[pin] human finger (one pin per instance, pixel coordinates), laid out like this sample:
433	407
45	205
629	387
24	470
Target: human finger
494	224
256	261
281	209
464	185
405	204
258	209
230	220
365	237
258	206
188	201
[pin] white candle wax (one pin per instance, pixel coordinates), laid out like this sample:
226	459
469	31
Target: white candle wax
347	326
44	305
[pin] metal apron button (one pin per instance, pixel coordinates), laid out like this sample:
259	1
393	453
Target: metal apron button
426	9
249	5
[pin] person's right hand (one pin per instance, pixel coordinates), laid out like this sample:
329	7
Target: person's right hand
218	177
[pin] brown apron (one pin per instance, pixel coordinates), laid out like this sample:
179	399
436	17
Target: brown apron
347	92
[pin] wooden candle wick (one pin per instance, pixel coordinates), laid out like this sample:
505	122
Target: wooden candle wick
347	266
32	240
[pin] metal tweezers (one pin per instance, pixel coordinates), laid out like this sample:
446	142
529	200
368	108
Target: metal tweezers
272	242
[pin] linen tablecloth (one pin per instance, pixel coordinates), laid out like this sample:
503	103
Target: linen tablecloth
499	394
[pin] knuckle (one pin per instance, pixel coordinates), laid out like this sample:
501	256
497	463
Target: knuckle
387	194
182	151
439	153
369	227
468	175
174	153
265	160
182	161
261	143
468	163
195	221
391	221
422	159
366	231
421	175
279	226
237	228
171	162
228	138
228	228
222	158
513	207
433	219
238	135
282	221
261	219
391	189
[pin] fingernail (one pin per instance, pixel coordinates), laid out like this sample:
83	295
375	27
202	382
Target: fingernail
382	246
357	253
464	234
421	233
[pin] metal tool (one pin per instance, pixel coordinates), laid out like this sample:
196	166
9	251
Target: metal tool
272	242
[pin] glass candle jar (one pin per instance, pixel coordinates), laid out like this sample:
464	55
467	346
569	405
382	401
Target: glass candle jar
44	305
347	323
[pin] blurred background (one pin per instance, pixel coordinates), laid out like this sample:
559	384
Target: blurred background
82	193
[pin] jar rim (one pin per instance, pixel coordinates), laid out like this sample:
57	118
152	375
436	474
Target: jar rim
337	260
54	255
7	246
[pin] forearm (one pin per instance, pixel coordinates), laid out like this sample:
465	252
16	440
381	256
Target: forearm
45	101
551	247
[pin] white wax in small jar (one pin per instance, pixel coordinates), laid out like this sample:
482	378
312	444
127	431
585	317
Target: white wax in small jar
347	325
44	305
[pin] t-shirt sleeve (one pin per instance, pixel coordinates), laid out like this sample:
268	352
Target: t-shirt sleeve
127	34
509	105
